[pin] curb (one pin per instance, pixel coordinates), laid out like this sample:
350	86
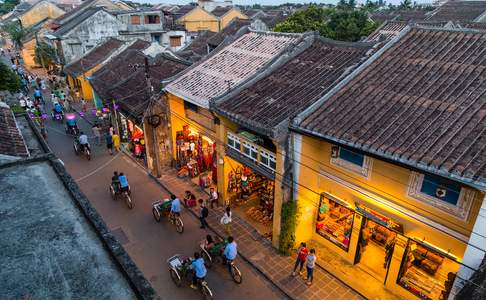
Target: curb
254	266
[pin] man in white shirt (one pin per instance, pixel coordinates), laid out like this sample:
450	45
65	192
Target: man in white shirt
213	197
83	141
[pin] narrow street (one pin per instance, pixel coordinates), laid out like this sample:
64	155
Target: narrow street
149	243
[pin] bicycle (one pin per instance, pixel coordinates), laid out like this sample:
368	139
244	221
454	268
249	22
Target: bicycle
215	255
162	208
181	272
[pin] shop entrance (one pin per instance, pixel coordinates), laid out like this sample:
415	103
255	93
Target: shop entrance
196	158
251	196
376	242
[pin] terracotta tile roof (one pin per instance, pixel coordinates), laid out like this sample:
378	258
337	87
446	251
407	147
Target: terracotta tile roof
229	30
198	48
422	102
85	4
131	94
293	86
479	26
221	11
230	66
94	57
399	15
182	10
11	140
117	69
76	20
274	19
386	31
466	11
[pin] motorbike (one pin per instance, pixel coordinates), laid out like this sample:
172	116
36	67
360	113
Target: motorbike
181	272
116	192
57	116
215	255
162	208
72	130
85	150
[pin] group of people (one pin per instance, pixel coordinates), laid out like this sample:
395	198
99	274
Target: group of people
112	139
304	256
120	182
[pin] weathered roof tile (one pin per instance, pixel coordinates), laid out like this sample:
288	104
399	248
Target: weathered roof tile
11	140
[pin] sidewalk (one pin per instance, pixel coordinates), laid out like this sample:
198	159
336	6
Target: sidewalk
259	252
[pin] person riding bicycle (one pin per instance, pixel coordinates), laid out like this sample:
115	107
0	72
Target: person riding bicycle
175	206
230	252
199	268
83	141
115	181
207	243
124	187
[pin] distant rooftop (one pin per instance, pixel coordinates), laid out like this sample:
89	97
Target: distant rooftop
11	140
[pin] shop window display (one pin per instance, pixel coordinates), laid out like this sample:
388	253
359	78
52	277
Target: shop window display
334	221
427	272
196	157
253	193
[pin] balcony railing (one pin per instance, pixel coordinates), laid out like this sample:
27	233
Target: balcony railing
252	152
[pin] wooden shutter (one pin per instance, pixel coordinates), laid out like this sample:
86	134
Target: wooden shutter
135	20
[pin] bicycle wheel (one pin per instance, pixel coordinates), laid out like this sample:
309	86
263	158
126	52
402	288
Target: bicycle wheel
208	261
112	192
236	274
207	294
179	225
128	200
156	214
175	277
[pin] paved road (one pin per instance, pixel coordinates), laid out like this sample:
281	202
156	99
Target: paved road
148	243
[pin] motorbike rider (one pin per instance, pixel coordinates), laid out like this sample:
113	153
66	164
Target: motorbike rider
57	108
230	252
71	124
115	181
175	206
83	141
124	187
199	269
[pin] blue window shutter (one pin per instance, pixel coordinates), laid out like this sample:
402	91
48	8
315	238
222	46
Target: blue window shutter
432	184
352	157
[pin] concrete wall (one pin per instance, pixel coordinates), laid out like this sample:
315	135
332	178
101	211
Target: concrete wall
89	34
166	39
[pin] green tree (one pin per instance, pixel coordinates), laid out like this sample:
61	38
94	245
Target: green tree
9	80
407	4
8	5
45	55
16	33
342	23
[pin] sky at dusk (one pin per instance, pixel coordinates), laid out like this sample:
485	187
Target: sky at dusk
265	2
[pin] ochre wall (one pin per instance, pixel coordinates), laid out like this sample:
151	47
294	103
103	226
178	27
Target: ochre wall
388	181
28	53
39	12
199	19
230	15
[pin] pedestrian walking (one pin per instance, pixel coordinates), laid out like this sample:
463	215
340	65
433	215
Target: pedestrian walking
302	253
116	142
226	220
213	197
311	263
83	105
97	133
109	143
203	214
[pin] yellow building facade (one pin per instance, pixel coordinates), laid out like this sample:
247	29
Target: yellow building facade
199	19
40	11
373	217
28	53
81	84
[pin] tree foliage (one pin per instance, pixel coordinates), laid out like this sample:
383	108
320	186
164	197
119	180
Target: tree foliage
45	55
8	5
344	23
16	32
288	225
8	80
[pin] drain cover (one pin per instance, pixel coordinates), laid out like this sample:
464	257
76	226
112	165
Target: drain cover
120	235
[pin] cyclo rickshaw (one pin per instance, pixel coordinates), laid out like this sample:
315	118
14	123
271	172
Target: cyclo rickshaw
181	272
161	209
215	255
